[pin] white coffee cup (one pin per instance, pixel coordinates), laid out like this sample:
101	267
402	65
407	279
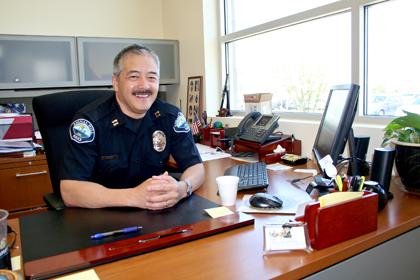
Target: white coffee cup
228	188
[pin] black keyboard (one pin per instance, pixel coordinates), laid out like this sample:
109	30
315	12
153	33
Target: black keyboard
251	175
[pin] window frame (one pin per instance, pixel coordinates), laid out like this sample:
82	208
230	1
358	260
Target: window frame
356	9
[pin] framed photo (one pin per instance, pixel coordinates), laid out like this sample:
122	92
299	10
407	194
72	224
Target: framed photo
286	237
194	98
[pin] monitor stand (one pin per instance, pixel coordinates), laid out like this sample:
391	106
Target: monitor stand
353	164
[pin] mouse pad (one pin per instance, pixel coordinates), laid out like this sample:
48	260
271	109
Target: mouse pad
290	206
55	232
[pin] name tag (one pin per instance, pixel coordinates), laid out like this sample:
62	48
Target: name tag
110	157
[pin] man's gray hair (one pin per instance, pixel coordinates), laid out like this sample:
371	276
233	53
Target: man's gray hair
133	49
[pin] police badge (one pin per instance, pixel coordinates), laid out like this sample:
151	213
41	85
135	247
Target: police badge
159	140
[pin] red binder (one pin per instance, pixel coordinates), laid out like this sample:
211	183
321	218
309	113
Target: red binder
16	127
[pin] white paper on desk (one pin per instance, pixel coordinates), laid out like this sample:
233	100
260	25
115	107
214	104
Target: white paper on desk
209	153
290	205
306	170
277	167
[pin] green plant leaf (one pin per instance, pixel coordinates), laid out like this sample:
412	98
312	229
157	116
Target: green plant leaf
404	129
411	120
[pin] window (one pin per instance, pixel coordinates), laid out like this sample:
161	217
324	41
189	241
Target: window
297	64
298	50
242	14
392	57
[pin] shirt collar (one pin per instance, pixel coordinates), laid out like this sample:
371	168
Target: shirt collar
118	118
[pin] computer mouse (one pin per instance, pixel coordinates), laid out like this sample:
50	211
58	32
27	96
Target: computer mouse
265	200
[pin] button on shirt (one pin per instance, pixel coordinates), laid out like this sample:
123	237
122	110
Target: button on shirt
118	152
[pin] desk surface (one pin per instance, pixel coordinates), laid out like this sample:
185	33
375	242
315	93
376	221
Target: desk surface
238	254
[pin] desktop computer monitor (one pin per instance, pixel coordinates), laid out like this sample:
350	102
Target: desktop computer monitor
336	124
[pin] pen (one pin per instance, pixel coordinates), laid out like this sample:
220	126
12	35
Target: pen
115	232
339	183
362	181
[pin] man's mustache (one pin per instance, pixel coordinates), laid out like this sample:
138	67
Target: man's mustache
142	92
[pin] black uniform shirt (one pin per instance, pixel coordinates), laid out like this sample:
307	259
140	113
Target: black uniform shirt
107	147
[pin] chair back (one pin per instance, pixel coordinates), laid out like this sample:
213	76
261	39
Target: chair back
54	113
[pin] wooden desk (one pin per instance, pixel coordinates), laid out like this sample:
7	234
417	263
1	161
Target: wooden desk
238	254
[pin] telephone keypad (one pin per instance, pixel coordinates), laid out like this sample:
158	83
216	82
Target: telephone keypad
253	134
256	127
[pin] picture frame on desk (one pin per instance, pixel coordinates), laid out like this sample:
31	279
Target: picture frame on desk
194	97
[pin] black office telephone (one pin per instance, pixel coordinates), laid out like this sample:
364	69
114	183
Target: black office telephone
256	127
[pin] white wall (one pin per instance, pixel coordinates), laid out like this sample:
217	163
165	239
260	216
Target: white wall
102	18
183	20
195	24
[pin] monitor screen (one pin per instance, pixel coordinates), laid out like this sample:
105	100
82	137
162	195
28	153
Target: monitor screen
336	122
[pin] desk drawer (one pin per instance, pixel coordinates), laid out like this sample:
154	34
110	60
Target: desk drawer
23	188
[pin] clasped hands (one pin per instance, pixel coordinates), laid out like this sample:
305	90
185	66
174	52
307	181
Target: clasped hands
161	192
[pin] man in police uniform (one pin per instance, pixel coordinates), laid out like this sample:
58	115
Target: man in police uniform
118	146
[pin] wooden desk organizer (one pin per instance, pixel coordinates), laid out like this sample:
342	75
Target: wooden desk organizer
265	151
337	223
211	136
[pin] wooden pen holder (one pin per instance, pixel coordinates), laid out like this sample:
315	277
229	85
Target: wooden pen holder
211	137
342	221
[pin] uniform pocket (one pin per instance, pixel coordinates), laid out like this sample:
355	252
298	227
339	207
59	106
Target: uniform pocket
112	170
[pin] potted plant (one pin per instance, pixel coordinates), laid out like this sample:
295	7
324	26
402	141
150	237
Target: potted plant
404	133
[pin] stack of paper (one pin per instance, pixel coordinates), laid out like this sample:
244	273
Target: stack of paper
338	197
9	147
16	133
208	153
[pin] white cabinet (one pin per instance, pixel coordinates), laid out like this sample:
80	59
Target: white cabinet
34	62
96	57
37	62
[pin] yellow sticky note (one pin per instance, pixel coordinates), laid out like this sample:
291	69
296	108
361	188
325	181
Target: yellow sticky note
218	211
16	263
84	275
337	197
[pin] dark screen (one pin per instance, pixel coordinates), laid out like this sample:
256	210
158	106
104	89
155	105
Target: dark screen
330	125
336	122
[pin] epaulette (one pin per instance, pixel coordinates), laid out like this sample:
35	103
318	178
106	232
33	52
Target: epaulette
160	109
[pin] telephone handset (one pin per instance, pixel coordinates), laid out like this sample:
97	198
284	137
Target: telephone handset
256	127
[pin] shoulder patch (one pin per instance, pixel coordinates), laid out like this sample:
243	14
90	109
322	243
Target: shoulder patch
181	125
82	131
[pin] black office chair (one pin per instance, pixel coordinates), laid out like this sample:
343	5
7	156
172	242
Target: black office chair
54	113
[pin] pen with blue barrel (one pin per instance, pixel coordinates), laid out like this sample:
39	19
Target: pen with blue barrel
115	232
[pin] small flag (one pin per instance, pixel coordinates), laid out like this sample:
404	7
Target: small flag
196	125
